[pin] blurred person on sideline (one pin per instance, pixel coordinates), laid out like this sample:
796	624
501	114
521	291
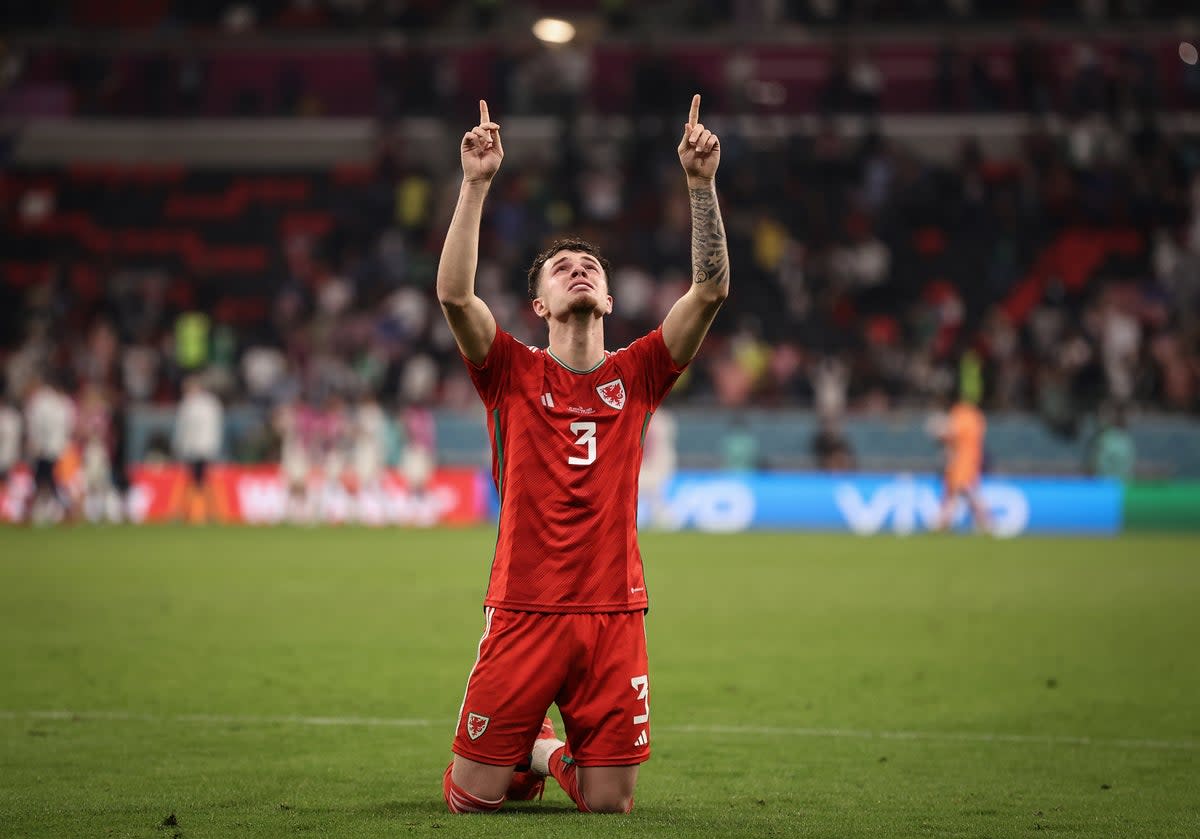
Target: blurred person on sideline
739	447
418	459
49	424
199	428
94	433
291	421
564	611
119	460
368	454
961	432
830	447
659	460
335	440
1111	452
10	445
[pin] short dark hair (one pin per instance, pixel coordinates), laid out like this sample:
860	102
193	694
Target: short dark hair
580	245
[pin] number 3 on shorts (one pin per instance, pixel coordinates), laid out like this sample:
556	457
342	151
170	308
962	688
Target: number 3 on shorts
642	685
587	437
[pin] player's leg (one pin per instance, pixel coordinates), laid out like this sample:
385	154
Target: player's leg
945	512
492	785
187	498
213	509
514	783
516	675
295	472
599	767
37	496
469	785
473	787
50	502
503	782
951	489
609	788
527	784
594	789
119	481
199	508
294	505
979	512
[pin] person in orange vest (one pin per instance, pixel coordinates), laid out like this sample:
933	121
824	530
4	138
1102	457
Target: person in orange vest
962	433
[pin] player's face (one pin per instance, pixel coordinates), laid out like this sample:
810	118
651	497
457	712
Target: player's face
572	283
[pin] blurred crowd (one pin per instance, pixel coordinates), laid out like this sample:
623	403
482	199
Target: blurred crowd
432	16
199	58
332	455
865	277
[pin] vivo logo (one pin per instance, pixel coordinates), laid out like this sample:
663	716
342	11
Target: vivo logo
714	506
904	506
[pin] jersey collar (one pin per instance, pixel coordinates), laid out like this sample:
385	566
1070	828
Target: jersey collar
562	363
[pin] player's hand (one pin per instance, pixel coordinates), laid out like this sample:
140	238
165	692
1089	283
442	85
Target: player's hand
699	148
481	148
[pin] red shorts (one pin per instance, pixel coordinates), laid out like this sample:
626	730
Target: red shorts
593	666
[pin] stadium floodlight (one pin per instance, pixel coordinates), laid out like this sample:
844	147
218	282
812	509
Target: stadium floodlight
553	30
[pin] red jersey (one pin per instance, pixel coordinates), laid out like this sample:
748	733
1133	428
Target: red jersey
566	451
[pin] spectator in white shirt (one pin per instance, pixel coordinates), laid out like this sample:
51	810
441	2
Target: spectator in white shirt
199	427
369	455
10	445
49	423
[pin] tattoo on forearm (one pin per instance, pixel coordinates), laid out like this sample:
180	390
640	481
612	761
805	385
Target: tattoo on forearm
710	256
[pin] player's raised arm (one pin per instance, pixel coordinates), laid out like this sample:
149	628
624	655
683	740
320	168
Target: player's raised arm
469	317
687	323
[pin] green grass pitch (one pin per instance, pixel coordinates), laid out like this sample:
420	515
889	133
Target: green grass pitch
275	682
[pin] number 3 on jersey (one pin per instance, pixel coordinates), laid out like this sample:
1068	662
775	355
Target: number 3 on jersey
587	437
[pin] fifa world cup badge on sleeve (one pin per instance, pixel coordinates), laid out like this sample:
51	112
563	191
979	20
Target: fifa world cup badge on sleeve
476	725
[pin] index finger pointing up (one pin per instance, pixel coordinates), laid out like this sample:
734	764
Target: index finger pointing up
483	112
694	114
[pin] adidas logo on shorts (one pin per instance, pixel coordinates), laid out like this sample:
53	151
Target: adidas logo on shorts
642	739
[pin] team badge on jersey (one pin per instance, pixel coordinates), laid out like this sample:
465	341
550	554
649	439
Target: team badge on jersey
476	725
613	393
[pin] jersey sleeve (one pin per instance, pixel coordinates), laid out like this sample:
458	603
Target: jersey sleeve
490	377
658	370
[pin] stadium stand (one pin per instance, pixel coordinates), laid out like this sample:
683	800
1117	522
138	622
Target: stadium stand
996	199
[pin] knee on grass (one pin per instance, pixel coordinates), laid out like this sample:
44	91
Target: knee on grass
458	800
610	803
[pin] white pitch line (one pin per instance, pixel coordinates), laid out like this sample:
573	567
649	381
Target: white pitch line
945	736
735	730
